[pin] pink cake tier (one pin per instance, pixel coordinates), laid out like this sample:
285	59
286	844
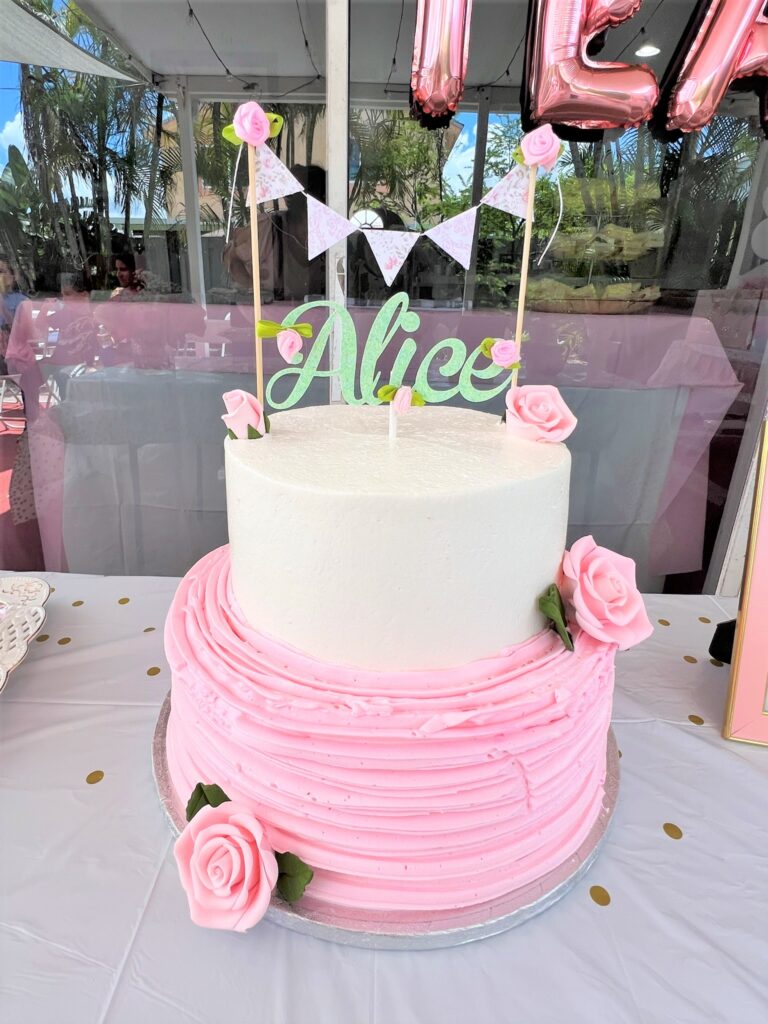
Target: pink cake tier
403	790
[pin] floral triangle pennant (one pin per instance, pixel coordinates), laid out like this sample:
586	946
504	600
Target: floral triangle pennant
456	235
273	179
390	249
511	193
325	227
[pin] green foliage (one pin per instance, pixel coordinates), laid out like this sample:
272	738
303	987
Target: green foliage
293	877
551	604
205	796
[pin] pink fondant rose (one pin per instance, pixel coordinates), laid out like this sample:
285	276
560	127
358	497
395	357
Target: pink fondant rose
403	400
243	411
289	342
541	147
251	124
504	353
537	412
227	867
600	587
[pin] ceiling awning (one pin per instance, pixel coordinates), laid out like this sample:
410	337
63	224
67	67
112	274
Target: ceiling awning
26	39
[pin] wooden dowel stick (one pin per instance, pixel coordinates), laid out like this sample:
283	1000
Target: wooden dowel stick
524	269
252	172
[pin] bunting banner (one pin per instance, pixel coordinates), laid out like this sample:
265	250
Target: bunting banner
390	249
273	179
325	227
455	236
511	193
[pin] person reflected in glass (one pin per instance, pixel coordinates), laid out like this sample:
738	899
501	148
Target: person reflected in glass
129	283
11	297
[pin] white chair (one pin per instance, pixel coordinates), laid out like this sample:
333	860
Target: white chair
10	387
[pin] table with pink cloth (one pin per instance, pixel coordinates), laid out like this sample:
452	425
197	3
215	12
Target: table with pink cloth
650	391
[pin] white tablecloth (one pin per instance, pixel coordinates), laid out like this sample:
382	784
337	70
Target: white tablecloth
94	923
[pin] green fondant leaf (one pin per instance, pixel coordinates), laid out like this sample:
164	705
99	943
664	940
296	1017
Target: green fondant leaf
305	330
268	329
231	434
267	424
276	122
253	434
417	398
486	345
229	135
204	796
294	876
386	392
551	605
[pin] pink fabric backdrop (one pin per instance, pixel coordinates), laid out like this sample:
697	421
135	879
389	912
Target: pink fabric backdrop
654	351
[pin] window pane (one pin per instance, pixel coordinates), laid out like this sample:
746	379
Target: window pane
644	303
111	433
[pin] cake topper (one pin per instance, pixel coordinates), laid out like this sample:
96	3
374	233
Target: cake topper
252	127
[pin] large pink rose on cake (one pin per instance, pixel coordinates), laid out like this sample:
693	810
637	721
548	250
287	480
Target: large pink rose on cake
537	412
227	867
243	411
600	587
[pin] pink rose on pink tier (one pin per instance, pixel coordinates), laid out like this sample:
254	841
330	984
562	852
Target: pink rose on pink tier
251	124
600	587
541	147
243	411
227	867
537	412
504	353
289	342
403	400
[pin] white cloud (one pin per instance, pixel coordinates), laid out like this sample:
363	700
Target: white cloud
11	134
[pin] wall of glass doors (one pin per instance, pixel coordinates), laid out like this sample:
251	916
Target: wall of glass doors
127	298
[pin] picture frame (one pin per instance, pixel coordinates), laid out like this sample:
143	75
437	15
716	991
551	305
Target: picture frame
746	717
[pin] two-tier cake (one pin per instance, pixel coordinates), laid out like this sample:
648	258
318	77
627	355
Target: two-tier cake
366	670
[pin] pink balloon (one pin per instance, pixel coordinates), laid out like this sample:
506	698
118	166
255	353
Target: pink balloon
731	43
565	86
440	54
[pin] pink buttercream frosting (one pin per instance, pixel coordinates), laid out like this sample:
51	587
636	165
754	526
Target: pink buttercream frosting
404	791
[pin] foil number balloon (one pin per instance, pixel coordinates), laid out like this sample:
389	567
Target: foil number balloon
562	85
725	42
440	53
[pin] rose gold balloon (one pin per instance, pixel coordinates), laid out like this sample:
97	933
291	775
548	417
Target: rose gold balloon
730	43
440	53
565	86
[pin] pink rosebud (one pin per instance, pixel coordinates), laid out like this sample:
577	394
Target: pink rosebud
504	353
251	124
537	412
403	400
227	867
289	342
243	411
541	147
600	587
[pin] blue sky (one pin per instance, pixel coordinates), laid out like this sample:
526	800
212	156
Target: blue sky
10	119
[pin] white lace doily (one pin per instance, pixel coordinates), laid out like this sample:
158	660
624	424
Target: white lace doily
21	615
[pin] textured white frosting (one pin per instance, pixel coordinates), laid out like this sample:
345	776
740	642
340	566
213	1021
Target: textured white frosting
426	552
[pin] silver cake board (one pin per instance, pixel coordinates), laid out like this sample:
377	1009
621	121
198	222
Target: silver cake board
422	930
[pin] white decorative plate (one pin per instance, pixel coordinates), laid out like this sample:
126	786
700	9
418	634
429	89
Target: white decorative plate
21	615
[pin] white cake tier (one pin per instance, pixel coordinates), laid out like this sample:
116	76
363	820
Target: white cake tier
424	552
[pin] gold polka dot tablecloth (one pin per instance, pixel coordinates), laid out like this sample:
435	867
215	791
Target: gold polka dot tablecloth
668	926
